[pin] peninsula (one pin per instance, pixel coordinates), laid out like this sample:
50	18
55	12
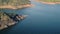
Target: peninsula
15	4
49	1
9	19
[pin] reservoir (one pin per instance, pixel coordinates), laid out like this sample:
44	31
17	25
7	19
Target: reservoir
41	19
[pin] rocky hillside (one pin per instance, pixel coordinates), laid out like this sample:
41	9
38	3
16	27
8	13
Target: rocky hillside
14	2
8	19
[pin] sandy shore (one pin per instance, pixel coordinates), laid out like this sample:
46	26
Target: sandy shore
16	7
48	2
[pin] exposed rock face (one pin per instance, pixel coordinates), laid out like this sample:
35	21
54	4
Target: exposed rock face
8	20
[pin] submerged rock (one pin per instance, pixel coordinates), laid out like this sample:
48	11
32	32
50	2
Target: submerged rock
7	19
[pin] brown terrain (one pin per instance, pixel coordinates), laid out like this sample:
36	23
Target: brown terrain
16	7
48	2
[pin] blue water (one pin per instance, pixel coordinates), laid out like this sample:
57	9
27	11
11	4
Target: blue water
41	19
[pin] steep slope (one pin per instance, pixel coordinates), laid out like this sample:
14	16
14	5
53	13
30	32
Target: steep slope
7	19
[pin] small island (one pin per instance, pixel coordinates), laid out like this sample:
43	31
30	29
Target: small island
49	1
9	19
15	4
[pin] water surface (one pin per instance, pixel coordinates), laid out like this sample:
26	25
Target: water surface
41	19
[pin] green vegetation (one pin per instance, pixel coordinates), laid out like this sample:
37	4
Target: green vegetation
51	0
14	2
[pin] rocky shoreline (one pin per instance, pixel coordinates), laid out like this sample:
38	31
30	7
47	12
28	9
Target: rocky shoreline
7	20
15	7
48	2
